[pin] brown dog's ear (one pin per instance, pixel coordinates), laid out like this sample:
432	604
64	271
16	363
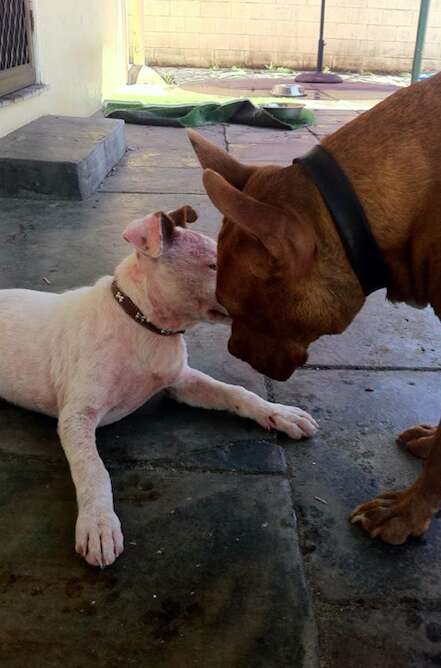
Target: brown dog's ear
261	221
270	225
183	215
212	157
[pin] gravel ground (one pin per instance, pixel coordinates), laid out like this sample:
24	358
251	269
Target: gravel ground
185	75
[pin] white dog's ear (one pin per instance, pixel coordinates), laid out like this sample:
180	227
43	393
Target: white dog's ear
150	235
184	215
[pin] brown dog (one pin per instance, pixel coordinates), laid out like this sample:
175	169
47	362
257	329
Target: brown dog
284	276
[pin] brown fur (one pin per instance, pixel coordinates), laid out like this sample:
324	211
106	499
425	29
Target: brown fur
282	271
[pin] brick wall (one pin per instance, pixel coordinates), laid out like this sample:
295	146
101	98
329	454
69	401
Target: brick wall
370	35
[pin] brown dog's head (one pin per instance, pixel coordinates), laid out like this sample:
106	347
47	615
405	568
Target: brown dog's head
283	279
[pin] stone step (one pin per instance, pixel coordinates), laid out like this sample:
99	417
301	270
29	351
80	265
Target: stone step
60	157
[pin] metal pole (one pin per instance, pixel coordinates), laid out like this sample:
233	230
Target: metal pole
319	76
321	44
420	37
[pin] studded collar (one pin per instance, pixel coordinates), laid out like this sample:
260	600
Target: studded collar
133	312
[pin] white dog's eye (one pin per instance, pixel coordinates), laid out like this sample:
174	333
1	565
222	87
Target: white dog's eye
212	266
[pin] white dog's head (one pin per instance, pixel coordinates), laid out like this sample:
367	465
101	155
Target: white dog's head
179	265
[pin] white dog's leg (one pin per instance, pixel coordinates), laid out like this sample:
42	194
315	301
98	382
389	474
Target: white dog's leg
198	389
98	531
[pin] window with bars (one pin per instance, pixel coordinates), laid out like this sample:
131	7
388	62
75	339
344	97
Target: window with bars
16	59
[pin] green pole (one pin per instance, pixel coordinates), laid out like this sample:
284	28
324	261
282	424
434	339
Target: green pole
421	35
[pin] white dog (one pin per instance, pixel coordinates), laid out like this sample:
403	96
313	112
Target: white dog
93	355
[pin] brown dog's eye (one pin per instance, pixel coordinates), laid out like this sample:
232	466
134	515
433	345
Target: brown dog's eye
212	266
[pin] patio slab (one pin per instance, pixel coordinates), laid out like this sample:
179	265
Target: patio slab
169	139
383	335
140	178
160	162
328	122
351	459
209	577
353	91
278	152
376	599
240	134
381	636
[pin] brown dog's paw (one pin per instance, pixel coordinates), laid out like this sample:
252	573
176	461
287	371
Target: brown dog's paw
394	516
418	440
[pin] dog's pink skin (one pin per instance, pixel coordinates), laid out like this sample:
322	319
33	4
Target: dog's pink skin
77	356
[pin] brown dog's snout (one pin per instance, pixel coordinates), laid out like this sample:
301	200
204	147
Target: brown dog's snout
271	357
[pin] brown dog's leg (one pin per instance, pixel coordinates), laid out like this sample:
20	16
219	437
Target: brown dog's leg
418	440
394	516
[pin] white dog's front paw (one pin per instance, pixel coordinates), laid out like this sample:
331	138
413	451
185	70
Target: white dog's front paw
290	420
98	538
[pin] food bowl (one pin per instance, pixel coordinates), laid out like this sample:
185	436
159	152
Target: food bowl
288	90
284	111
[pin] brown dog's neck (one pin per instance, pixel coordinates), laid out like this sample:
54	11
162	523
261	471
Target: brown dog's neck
392	170
408	242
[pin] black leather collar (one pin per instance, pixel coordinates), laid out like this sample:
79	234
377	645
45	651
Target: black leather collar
349	218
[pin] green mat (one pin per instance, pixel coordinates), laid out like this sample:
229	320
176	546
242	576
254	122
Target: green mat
241	111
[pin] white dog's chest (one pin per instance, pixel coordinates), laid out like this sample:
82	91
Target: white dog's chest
130	386
131	396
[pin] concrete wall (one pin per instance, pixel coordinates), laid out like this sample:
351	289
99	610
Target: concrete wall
370	35
80	54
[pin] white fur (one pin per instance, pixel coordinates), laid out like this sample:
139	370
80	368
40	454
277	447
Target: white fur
78	357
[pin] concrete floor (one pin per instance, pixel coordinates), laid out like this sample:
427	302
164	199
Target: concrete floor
238	553
356	92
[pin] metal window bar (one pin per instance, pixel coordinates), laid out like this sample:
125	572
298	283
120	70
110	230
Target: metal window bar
16	57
